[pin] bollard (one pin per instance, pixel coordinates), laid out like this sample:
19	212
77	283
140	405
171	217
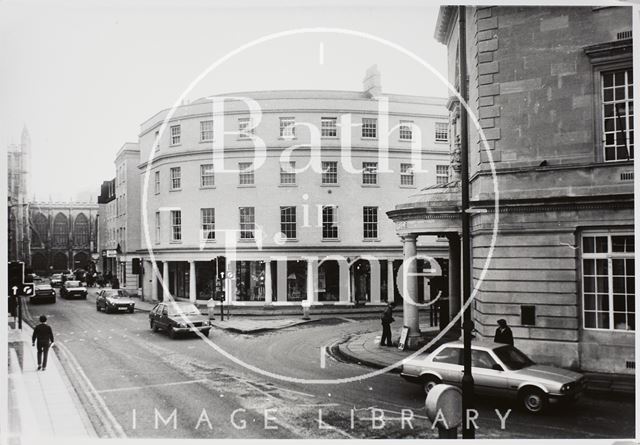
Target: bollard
211	306
444	405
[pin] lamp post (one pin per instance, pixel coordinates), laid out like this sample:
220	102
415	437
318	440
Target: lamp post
468	431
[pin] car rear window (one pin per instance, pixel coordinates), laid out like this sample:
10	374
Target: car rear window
72	284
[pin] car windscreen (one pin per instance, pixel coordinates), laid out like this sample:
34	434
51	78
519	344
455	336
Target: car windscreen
186	309
72	284
114	295
512	357
43	287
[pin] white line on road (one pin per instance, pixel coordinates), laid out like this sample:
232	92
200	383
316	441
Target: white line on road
113	426
323	356
350	320
134	388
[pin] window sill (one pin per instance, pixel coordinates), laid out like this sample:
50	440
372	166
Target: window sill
408	186
208	241
175	190
207	187
330	240
335	138
246	240
175	242
290	240
441	142
174	145
370	240
287	185
206	141
368	139
284	138
244	139
370	185
246	186
330	185
405	140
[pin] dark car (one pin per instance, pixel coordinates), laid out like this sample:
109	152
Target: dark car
73	289
56	280
178	318
114	300
44	293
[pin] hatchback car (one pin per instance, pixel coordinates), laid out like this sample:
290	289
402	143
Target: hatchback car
498	370
43	293
178	318
56	280
73	289
114	300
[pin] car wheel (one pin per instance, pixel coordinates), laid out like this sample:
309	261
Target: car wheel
130	310
533	400
97	308
154	328
428	382
172	333
206	332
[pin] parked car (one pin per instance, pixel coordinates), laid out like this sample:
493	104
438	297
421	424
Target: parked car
68	275
73	289
56	280
43	293
114	300
178	318
498	370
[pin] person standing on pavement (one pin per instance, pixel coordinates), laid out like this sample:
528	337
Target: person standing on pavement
503	333
387	319
43	334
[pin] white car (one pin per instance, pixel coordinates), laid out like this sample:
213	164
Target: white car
497	370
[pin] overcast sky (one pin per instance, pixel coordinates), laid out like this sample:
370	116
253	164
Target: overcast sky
83	75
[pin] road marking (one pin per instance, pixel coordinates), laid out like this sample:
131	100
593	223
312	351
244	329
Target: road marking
321	54
318	404
350	320
323	355
157	385
113	427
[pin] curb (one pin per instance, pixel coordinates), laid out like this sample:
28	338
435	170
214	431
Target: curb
260	330
596	384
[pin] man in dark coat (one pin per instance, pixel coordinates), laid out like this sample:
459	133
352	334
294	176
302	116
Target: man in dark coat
387	319
503	333
44	336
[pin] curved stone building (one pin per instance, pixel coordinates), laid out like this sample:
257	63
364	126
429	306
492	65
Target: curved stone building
308	227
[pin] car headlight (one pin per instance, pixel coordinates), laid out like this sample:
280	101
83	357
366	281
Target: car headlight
566	387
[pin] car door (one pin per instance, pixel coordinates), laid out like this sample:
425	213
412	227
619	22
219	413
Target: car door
163	319
448	363
489	377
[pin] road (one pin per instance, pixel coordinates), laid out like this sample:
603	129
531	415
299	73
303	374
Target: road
132	380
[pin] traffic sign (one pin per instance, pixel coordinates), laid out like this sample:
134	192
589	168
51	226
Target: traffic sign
22	290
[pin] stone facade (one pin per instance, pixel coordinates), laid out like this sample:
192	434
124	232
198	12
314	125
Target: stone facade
552	176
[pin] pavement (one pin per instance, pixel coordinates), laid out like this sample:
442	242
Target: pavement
364	349
42	404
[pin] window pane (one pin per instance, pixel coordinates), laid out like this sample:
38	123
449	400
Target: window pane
602	302
590	320
589	267
590	302
631	285
601	267
603	320
618	267
622	244
588	244
602	284
589	284
619	302
602	244
618	284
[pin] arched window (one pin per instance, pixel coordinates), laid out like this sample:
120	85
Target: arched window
60	230
81	230
40	227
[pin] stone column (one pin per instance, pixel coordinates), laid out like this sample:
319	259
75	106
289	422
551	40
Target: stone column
312	284
154	283
192	281
343	276
374	268
455	296
268	294
390	282
352	285
165	280
281	283
410	289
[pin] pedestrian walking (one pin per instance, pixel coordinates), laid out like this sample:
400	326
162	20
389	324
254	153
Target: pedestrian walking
43	334
387	319
503	333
